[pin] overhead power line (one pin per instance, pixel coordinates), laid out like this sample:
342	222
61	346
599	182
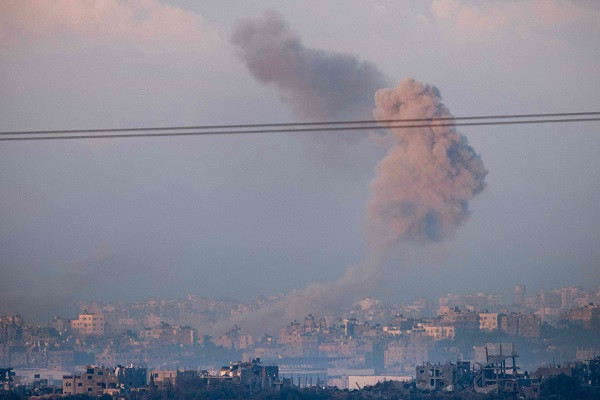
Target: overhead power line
300	127
290	124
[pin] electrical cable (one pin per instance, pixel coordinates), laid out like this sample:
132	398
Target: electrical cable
432	124
291	124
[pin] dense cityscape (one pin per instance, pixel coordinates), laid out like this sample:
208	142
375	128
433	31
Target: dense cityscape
153	343
298	200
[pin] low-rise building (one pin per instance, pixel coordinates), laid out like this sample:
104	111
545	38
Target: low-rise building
586	353
439	332
61	359
588	316
488	322
94	382
89	324
131	377
482	353
163	378
530	325
170	334
448	376
252	375
524	325
408	351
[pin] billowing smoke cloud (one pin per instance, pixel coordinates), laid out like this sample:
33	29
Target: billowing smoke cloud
422	187
316	84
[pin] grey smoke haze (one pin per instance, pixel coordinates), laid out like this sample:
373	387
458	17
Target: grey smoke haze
316	298
422	187
44	299
316	84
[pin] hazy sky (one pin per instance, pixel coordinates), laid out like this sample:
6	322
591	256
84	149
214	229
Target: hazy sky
239	216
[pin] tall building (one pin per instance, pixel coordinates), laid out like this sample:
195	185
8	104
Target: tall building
520	293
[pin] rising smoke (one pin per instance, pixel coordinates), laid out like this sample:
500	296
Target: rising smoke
423	185
316	84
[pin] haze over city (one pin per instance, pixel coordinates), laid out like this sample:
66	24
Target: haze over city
246	215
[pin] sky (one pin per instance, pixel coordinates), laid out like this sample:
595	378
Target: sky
241	216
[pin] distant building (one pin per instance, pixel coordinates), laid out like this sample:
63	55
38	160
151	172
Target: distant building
131	377
588	317
481	353
252	375
499	374
106	357
89	324
551	299
488	322
520	293
572	297
448	377
408	351
367	303
524	325
153	321
587	353
170	334
509	324
234	339
163	378
462	320
61	359
530	325
95	382
439	332
61	324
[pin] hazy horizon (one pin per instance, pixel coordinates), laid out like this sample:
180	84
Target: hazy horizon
243	216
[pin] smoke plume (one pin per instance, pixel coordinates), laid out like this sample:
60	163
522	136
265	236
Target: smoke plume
316	298
422	187
316	84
